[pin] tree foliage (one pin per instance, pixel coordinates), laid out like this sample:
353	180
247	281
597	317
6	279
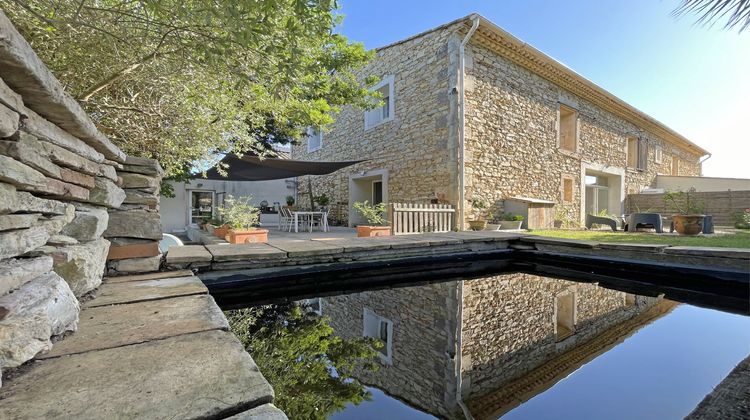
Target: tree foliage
309	368
179	80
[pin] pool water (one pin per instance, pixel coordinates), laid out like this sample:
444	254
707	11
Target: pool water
515	346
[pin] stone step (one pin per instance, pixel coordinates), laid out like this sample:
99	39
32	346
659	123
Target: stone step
202	375
140	322
245	252
149	276
145	290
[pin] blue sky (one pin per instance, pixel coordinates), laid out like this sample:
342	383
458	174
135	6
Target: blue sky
694	79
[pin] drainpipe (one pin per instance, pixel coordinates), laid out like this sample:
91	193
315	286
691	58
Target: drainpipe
704	160
462	212
462	125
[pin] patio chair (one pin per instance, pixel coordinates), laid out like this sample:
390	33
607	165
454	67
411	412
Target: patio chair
286	219
644	219
599	220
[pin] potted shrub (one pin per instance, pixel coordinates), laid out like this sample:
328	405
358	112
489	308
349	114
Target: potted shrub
322	200
511	221
374	216
218	227
689	216
242	219
480	221
289	201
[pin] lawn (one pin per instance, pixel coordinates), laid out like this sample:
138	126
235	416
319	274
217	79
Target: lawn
736	240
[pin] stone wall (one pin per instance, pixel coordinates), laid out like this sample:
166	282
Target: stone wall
59	184
724	206
415	147
512	138
509	324
424	328
511	132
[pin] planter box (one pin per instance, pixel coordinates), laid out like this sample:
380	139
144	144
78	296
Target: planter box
221	232
247	236
511	224
492	226
367	231
477	224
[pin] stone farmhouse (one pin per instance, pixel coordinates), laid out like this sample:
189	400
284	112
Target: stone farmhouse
469	112
489	344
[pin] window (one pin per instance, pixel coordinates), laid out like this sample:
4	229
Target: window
313	305
314	139
565	315
637	153
385	112
377	192
658	154
379	328
629	299
567	189
675	166
568	129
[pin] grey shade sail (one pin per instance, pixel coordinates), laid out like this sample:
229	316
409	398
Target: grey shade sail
252	168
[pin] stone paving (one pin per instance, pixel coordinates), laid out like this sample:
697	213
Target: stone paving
152	345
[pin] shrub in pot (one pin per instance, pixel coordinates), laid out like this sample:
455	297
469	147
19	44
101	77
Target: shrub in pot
480	220
510	221
242	219
322	200
376	222
688	217
289	200
217	227
742	220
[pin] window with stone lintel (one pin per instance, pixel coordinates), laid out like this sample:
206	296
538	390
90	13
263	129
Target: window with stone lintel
568	129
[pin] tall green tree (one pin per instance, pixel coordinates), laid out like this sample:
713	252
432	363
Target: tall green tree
310	368
180	80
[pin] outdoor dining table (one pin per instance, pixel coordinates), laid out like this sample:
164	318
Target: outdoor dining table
312	214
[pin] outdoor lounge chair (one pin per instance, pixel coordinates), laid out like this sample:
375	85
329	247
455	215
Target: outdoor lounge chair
644	219
599	220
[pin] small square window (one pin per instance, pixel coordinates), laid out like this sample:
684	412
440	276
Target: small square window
384	112
568	129
314	139
375	326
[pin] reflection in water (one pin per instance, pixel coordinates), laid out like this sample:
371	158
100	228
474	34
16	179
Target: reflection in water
478	347
308	366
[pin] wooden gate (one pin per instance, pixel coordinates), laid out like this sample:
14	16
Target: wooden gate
407	218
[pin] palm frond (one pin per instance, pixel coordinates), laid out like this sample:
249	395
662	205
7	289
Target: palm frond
736	12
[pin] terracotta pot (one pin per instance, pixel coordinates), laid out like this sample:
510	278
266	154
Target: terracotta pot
210	229
221	231
247	236
688	224
510	224
367	231
477	224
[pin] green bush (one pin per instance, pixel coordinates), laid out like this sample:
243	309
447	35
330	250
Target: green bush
372	213
239	214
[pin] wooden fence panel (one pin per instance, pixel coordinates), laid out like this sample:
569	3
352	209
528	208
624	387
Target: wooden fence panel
722	205
408	218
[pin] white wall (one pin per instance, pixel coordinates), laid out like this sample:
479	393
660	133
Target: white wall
684	183
174	211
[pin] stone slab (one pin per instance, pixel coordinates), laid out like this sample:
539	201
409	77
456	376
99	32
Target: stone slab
119	252
17	242
17	221
264	412
15	273
27	75
29	155
434	239
45	130
22	176
356	244
136	265
245	252
141	291
188	254
9	121
739	253
633	247
148	276
140	322
134	224
306	248
198	375
573	243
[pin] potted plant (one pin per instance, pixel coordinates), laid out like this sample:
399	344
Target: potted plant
511	221
480	222
742	220
289	200
322	200
374	215
242	218
689	216
217	227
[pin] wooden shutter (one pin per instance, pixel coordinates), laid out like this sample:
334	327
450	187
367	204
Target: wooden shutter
642	154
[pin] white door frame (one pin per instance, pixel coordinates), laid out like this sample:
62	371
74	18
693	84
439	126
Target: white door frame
190	203
382	173
614	195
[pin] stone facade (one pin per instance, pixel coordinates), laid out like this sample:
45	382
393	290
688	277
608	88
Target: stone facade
58	184
507	328
511	130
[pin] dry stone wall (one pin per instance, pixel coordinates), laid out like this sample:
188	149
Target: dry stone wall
60	180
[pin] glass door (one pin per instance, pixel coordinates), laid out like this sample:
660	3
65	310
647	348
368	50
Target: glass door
201	206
